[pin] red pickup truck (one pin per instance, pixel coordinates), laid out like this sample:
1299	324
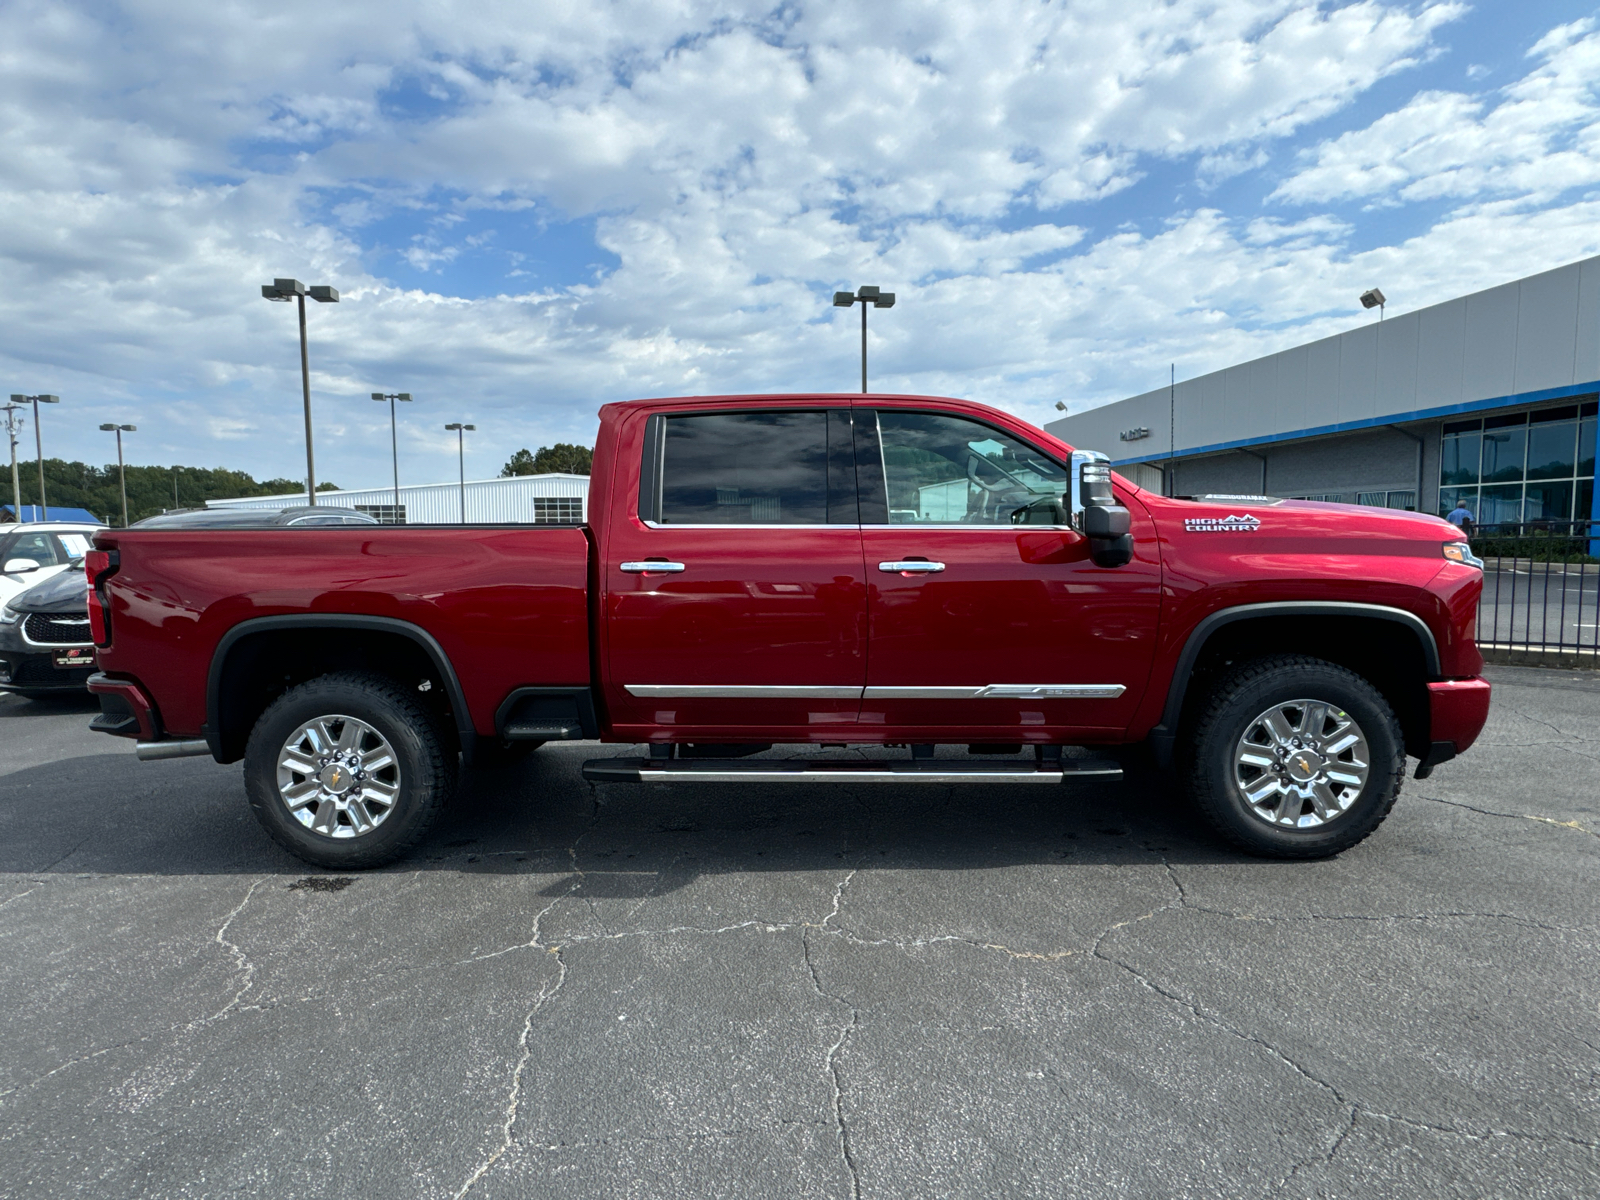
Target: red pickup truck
896	573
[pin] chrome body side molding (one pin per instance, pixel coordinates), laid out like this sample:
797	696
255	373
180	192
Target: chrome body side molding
992	691
1001	691
740	691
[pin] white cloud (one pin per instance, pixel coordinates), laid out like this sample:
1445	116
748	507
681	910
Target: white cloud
1535	138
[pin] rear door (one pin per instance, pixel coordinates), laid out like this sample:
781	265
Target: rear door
736	596
988	621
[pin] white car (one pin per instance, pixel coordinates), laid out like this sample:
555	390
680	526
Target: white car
34	551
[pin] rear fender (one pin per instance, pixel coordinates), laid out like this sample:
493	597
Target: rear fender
227	740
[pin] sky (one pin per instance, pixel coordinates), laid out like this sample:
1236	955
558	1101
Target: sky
532	209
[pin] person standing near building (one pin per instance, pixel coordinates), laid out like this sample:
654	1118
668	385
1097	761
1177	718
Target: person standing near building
1461	517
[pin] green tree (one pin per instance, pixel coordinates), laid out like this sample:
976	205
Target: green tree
563	458
79	485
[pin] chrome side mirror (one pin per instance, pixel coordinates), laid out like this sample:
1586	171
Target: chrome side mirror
19	566
1095	511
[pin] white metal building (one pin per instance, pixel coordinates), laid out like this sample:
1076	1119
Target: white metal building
518	500
1488	400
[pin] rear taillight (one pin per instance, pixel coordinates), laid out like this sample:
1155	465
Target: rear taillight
97	567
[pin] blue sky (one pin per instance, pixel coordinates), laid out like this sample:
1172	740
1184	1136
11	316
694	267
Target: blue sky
533	209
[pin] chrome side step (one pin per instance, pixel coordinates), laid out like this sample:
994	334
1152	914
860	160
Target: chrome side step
815	770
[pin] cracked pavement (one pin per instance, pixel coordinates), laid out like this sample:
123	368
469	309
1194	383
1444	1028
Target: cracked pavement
676	990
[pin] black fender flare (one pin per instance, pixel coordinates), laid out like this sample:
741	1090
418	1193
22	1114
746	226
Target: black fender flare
1164	736
429	644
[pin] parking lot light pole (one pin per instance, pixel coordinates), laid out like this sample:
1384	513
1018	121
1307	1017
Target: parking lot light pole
864	296
122	473
12	424
293	289
38	446
394	440
461	462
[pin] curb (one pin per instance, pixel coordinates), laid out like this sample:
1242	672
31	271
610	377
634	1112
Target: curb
1522	656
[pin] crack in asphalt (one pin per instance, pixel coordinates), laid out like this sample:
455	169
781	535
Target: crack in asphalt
1356	1107
831	1061
1489	812
687	1135
241	959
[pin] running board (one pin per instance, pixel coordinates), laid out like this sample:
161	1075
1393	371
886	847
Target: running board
820	770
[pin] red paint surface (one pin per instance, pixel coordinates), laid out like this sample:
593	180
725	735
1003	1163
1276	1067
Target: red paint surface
801	606
507	605
1459	709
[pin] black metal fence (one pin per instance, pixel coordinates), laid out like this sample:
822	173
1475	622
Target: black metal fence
1541	587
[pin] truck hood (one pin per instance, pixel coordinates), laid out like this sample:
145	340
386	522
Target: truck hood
64	592
1244	514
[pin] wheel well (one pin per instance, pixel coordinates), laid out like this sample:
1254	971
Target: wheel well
259	667
1385	653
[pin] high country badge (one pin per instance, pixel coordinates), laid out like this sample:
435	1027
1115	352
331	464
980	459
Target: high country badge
1229	524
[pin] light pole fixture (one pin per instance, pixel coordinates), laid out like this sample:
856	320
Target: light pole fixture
394	440
293	289
1373	298
122	473
866	296
175	471
461	462
38	446
12	424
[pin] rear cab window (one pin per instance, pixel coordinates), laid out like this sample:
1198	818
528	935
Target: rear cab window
768	467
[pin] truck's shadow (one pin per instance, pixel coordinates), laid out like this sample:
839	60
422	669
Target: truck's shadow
104	814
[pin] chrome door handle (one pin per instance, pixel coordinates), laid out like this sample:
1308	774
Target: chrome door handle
913	567
651	568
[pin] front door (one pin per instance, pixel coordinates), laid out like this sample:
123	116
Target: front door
736	599
987	620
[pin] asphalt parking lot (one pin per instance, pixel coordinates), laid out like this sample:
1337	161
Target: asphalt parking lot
833	992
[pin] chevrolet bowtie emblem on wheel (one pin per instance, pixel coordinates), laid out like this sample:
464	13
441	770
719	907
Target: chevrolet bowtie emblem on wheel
1229	524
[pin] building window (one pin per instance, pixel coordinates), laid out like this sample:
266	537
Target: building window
387	514
558	510
1521	468
1324	497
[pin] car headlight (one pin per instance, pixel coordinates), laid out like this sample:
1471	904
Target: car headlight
1461	552
9	615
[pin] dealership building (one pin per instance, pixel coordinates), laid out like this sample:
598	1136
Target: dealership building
550	499
1487	400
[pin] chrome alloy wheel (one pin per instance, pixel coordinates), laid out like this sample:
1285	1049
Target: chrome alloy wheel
338	776
1301	764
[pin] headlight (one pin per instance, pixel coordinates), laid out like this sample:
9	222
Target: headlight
9	615
1461	552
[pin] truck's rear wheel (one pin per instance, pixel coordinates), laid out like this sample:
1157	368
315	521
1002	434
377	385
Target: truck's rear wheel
1294	757
347	771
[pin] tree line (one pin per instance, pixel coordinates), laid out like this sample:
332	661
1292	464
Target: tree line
563	458
150	489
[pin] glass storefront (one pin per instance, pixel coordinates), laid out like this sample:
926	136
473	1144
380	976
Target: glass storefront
1521	468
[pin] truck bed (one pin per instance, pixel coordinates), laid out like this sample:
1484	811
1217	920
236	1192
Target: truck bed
507	605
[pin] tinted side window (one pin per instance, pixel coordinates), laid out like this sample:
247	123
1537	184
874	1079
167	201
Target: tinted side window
941	470
760	468
40	547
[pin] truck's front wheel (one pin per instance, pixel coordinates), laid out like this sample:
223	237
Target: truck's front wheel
1294	757
347	771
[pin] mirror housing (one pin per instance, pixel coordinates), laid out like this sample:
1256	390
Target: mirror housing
1095	511
20	566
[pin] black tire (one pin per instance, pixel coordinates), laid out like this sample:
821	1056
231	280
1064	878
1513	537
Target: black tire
425	779
1230	712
